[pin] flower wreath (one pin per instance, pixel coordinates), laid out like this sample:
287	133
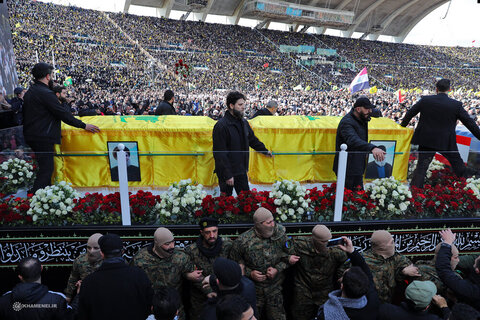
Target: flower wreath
182	68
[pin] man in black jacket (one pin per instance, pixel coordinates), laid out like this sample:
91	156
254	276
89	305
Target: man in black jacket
232	137
17	106
357	298
30	299
269	110
435	131
353	131
165	107
466	290
227	279
116	290
42	117
420	297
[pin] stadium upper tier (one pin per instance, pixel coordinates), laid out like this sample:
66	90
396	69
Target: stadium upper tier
118	50
370	17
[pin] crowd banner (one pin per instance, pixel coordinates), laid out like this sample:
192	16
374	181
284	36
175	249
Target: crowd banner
166	149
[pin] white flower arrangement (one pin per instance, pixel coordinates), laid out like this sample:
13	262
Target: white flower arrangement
390	194
53	203
181	201
16	174
474	185
290	200
434	165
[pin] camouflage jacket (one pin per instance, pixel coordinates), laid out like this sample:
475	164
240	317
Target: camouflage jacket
80	270
166	272
202	262
429	273
386	272
257	253
317	274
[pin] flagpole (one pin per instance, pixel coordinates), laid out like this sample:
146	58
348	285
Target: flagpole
53	64
36	55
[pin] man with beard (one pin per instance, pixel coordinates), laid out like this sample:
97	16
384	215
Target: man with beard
84	264
166	265
133	172
316	272
232	137
466	290
387	266
61	93
42	117
262	252
353	131
203	253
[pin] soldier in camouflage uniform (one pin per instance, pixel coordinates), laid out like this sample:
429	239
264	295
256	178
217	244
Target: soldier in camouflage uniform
387	266
203	253
166	265
316	272
429	273
263	253
84	265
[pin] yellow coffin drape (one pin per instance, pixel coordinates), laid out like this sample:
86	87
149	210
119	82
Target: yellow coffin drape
193	135
305	134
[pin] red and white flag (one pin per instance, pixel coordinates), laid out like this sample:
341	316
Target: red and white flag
400	96
463	144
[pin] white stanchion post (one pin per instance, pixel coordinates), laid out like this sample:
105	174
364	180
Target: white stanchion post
123	181
341	172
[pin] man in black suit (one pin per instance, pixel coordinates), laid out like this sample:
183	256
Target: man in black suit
166	108
435	131
42	118
270	109
378	169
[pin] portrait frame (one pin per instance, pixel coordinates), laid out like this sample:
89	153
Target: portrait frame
133	161
390	146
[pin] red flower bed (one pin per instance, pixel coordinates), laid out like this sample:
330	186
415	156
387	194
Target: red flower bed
443	196
357	205
13	211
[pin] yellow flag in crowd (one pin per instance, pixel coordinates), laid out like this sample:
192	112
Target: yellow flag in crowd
51	37
18	25
308	88
373	90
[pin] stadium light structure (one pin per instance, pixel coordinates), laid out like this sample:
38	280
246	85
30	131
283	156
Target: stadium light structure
294	13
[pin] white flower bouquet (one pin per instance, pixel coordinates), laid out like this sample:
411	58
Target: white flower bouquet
15	174
474	185
180	202
51	205
391	196
290	200
434	165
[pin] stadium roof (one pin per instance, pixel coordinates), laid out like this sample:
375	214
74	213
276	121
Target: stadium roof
372	18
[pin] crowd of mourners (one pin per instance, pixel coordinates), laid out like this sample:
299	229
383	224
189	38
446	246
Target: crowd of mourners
120	64
216	277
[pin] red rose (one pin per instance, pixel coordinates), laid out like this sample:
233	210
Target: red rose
247	209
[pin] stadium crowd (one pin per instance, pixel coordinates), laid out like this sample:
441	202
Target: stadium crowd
121	64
